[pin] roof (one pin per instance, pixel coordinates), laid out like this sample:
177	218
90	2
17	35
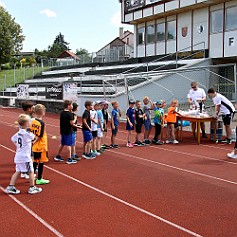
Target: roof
66	54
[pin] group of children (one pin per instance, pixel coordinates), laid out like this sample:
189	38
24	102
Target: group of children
31	138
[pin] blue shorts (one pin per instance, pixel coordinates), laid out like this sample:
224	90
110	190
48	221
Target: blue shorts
147	124
115	131
87	135
67	140
74	137
128	127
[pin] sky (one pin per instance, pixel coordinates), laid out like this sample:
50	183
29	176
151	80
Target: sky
88	24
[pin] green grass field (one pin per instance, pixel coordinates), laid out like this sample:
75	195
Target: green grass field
21	74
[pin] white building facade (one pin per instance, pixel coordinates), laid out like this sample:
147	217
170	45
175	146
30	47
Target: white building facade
167	26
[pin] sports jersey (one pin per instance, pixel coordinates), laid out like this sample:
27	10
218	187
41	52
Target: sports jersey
138	113
23	140
94	116
38	128
226	106
158	115
171	116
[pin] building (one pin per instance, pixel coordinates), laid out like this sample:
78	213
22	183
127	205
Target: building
166	26
67	58
119	49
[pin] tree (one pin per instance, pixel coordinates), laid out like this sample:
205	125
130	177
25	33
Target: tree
84	55
11	36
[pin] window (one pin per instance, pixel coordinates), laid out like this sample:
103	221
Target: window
150	34
160	32
171	30
141	35
217	21
231	18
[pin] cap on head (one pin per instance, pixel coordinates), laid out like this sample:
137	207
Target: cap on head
105	102
159	102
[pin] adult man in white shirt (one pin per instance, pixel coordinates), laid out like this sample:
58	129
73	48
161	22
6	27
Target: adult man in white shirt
226	108
196	97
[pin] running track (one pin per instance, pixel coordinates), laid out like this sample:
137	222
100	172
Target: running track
169	190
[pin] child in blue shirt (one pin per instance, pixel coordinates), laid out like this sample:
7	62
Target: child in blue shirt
114	123
130	115
158	121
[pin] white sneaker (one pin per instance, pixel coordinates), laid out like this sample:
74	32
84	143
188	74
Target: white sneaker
232	155
175	142
167	141
12	190
27	176
34	190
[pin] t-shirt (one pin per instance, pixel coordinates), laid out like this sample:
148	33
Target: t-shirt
115	115
158	115
195	95
38	128
100	118
23	140
171	116
105	115
226	106
138	113
93	114
131	115
86	115
65	126
147	112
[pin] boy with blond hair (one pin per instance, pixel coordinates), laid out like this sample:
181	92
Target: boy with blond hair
40	146
23	141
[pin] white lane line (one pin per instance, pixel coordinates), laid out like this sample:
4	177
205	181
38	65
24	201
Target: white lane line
118	200
37	217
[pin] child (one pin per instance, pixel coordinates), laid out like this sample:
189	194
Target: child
94	122
74	128
40	146
105	106
171	120
66	131
147	122
100	126
87	131
114	123
158	121
130	116
139	118
23	140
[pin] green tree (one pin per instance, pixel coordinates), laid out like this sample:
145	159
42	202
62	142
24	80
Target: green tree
84	55
11	36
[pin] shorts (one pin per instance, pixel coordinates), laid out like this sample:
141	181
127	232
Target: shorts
99	133
87	135
128	127
138	127
176	125
67	139
227	119
41	157
147	124
25	167
115	130
74	134
94	134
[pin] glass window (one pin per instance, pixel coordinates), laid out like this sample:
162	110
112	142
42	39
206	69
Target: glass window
141	35
160	32
171	30
231	18
217	21
150	34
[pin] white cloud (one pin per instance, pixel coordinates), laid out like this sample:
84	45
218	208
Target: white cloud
48	13
116	21
2	4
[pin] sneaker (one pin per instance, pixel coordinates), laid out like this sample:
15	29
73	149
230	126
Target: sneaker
154	141
104	146
159	142
204	135
147	142
114	146
58	158
27	176
96	153
130	145
89	156
227	141
71	161
76	157
22	175
136	143
232	155
12	190
41	181
140	143
168	141
175	142
34	190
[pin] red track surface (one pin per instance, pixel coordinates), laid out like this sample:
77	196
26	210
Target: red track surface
169	190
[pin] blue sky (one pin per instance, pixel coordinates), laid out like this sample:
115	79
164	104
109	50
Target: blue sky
88	24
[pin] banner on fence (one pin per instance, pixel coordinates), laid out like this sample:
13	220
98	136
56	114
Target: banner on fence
54	92
22	91
70	91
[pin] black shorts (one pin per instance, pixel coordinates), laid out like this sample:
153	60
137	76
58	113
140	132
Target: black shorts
176	125
115	131
227	119
138	127
94	133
